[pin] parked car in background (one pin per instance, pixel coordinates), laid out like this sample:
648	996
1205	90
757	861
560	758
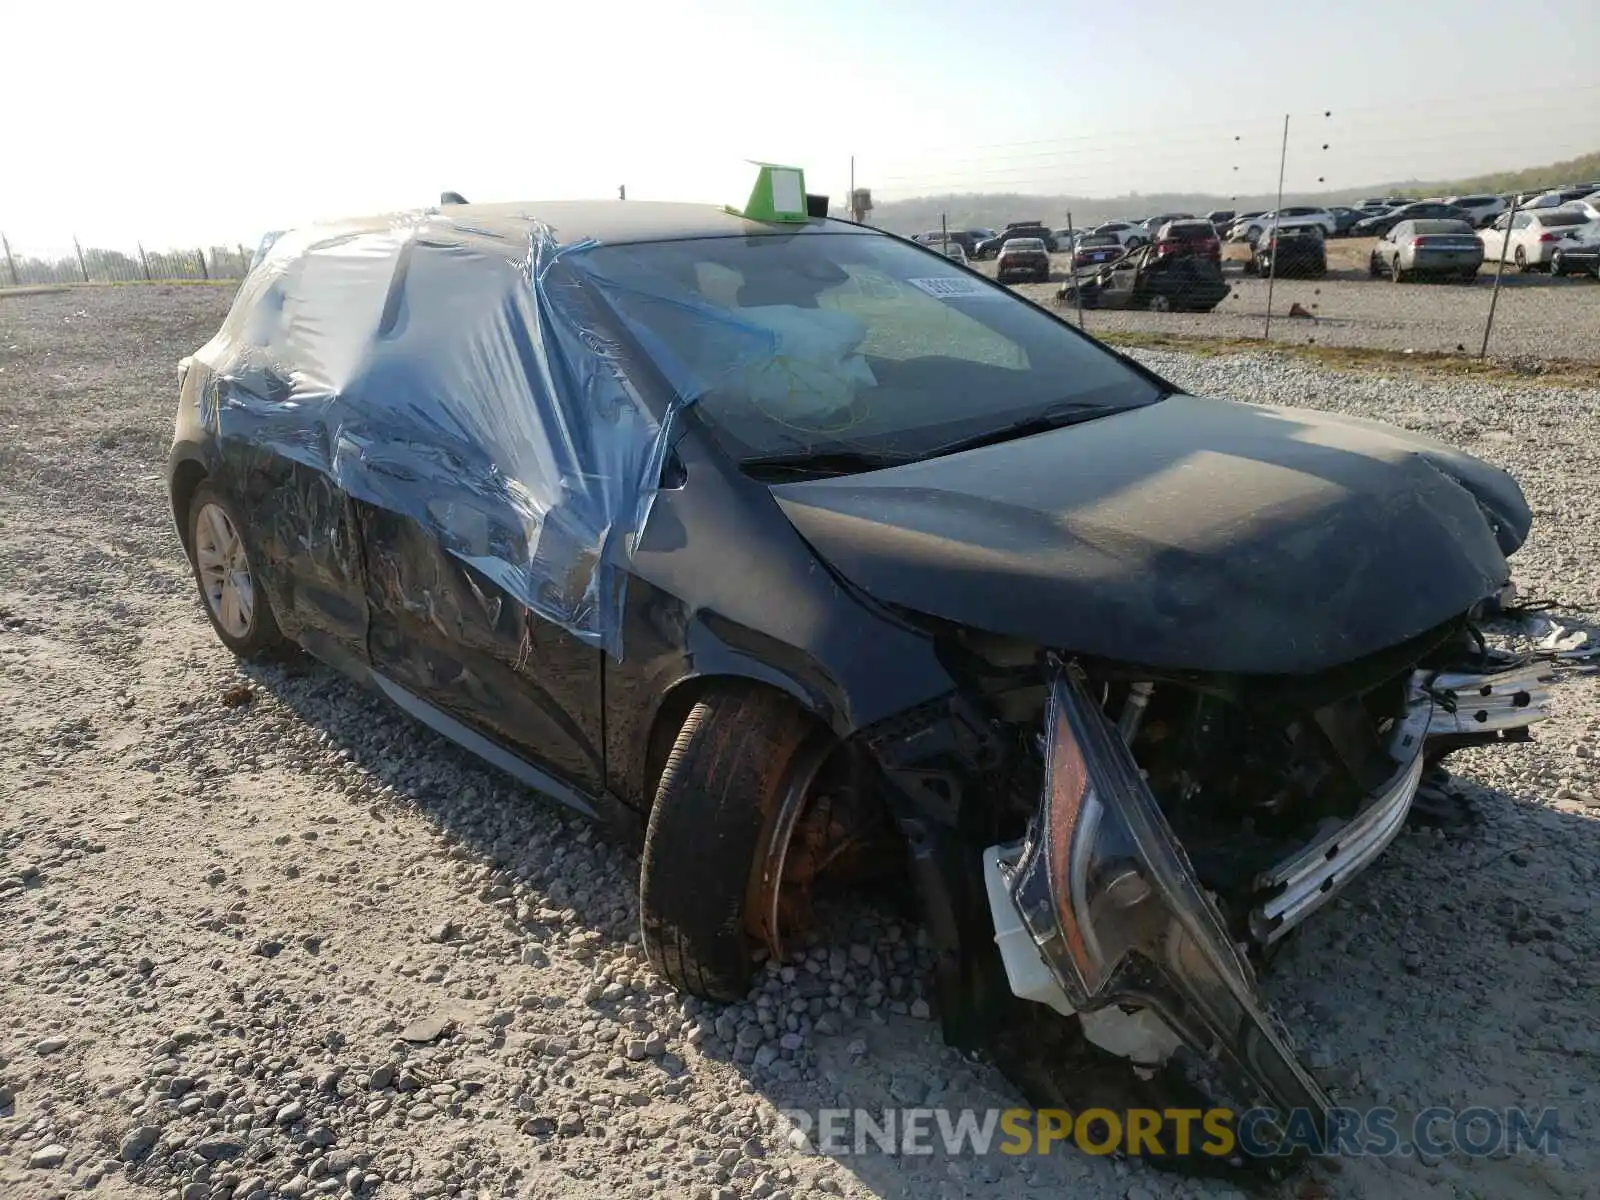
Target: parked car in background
1246	229
1482	209
1285	250
1127	232
1192	236
1383	202
1221	218
1096	248
967	239
954	251
1344	218
1146	278
1530	238
1427	248
1153	224
1578	255
1024	257
1421	210
1589	206
1551	197
990	247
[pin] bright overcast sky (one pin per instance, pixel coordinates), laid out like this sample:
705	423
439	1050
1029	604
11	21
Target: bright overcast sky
181	122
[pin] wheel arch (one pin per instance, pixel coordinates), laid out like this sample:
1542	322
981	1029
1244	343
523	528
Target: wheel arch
678	699
186	476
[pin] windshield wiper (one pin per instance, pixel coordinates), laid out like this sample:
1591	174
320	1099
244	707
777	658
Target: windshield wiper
822	462
1055	417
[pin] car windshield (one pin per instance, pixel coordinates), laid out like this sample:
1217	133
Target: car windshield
1023	244
851	343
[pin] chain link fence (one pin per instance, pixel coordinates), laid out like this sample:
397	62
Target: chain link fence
24	264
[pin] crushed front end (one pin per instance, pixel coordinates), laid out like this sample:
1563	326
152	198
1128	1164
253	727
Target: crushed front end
1150	839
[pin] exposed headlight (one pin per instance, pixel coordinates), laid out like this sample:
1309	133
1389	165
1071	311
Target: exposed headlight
1110	897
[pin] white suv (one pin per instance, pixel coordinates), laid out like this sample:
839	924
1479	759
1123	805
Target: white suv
1297	214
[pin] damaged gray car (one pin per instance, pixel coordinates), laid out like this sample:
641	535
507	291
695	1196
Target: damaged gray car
801	555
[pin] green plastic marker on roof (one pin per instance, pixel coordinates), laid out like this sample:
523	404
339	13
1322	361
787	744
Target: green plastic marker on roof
779	195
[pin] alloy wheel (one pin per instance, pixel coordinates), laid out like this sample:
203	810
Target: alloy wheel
224	571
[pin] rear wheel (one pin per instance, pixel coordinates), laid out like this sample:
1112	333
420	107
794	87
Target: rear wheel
230	588
1558	264
1372	266
1396	274
1160	304
1520	257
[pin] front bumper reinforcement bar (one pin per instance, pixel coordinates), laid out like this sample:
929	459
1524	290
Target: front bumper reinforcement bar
1442	704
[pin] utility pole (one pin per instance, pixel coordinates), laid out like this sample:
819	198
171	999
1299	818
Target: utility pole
622	191
855	214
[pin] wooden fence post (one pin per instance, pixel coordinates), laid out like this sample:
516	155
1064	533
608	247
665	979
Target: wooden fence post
204	274
144	262
10	262
82	266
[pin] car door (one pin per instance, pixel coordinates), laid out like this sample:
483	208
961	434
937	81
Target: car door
447	634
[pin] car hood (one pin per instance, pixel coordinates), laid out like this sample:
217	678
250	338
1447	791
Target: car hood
1192	534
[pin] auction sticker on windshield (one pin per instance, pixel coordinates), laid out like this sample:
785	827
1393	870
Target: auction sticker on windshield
946	286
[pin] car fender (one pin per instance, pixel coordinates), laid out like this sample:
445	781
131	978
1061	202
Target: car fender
722	585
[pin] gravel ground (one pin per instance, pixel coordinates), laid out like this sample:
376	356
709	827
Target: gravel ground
1536	315
261	936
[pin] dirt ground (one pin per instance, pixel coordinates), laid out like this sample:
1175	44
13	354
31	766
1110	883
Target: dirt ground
262	936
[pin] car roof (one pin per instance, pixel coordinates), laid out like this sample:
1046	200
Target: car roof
609	221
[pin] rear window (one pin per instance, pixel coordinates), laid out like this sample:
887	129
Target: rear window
1190	230
1024	243
1440	226
1101	239
1475	201
1563	218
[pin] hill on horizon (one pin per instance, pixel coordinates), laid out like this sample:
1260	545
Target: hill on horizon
994	209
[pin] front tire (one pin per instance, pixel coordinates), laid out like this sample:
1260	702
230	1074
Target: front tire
1395	272
230	587
741	751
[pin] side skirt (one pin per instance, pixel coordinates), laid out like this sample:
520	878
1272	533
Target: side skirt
475	743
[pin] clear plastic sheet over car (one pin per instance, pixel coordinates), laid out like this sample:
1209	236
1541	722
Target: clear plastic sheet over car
472	379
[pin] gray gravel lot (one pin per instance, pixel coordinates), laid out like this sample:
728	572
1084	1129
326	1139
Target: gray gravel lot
1536	315
261	936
